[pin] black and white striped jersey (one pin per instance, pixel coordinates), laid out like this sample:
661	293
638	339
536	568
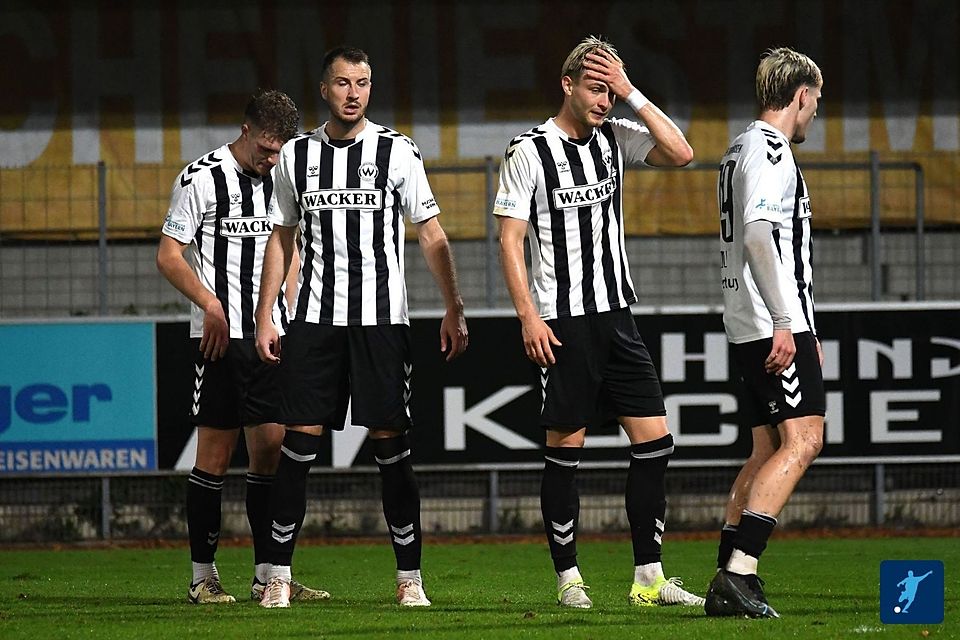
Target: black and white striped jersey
571	193
350	199
221	212
759	180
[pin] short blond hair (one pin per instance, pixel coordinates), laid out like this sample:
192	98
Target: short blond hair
780	73
573	65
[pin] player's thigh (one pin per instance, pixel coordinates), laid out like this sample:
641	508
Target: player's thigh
381	376
631	386
570	388
312	375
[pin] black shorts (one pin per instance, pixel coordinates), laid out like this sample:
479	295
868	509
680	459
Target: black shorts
603	371
238	390
322	367
767	399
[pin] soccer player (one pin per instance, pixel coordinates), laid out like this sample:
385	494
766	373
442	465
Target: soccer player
211	249
561	183
767	287
348	186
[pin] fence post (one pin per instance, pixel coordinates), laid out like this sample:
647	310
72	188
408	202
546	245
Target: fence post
106	508
492	251
879	496
921	217
493	501
102	243
874	225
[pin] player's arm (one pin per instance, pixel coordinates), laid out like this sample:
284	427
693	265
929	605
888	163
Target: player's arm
672	148
291	281
174	267
277	259
537	335
761	255
436	252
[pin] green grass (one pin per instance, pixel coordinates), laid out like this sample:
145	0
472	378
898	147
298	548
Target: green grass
822	588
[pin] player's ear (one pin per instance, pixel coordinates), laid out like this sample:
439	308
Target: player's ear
801	96
323	90
566	82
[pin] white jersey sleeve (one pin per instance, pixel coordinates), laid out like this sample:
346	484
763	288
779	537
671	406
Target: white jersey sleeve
762	186
188	204
635	140
517	182
416	196
285	208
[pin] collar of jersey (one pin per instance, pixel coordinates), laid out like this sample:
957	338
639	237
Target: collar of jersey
367	127
550	124
236	165
769	127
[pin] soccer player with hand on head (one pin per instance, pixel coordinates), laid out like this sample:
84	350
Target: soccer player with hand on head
211	250
561	184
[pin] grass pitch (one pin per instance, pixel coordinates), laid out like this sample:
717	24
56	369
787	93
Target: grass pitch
823	589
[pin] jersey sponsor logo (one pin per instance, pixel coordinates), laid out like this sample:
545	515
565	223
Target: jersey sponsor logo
583	196
170	224
504	203
763	205
246	227
368	171
429	203
371	199
805	210
733	149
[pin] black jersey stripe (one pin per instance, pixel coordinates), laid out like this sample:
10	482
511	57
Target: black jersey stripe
248	251
325	218
798	237
300	148
585	227
557	227
221	286
354	256
626	291
384	148
606	255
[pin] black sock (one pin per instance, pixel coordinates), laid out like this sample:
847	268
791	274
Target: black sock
288	495
258	514
753	532
646	497
727	535
560	504
203	514
401	500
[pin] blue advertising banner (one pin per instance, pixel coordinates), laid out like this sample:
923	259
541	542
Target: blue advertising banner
77	397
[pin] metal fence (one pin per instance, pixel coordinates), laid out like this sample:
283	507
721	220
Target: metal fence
82	241
474	501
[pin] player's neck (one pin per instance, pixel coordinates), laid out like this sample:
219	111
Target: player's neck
571	126
784	121
235	147
337	129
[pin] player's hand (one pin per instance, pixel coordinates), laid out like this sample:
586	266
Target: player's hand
453	334
268	342
782	352
216	332
537	340
600	65
819	351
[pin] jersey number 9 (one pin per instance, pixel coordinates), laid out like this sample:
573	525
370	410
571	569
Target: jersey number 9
725	198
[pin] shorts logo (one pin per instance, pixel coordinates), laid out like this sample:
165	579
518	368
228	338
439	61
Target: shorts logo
368	171
790	382
772	405
911	591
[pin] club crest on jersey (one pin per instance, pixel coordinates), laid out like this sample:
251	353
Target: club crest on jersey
368	171
245	227
313	171
585	195
367	199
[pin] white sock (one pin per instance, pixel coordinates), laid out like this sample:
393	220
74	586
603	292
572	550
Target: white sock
279	571
742	563
403	576
569	575
204	570
262	572
647	574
